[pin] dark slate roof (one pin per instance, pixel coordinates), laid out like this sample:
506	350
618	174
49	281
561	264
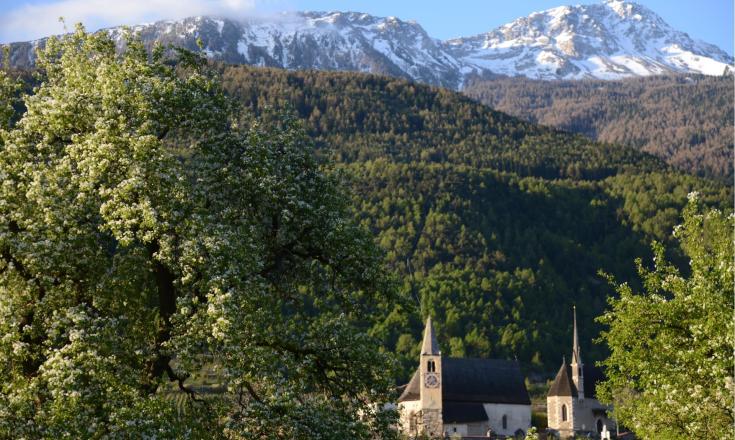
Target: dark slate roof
592	376
463	412
476	380
564	386
483	380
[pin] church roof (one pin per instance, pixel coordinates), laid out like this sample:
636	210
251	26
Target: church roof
430	345
564	386
475	380
413	389
576	357
483	380
592	376
463	412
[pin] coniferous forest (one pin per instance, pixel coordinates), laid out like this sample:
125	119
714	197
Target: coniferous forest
495	227
684	119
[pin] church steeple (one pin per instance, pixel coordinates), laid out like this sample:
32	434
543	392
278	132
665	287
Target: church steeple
430	369
577	365
576	358
430	346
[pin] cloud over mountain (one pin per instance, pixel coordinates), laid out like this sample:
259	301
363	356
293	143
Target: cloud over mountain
37	20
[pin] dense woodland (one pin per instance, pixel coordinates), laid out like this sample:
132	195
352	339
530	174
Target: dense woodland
686	120
494	226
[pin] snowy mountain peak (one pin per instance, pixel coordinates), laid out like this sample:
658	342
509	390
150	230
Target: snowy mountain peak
630	10
622	8
608	40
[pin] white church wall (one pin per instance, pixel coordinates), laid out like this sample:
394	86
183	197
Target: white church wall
586	420
518	417
475	429
452	429
478	429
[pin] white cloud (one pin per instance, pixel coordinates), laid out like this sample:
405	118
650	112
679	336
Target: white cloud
32	21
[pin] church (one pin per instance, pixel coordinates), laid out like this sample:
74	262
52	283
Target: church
466	397
571	405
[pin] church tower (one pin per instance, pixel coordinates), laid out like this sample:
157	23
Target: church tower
430	368
577	366
565	401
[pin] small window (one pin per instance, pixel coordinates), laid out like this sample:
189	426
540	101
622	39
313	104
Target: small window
563	413
430	367
505	421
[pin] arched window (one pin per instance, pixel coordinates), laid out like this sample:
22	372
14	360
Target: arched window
430	367
599	425
563	413
505	421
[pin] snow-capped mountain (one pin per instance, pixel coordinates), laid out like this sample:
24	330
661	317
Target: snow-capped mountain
308	40
612	39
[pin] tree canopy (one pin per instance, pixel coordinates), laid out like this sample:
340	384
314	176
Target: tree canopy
495	226
685	119
144	237
671	346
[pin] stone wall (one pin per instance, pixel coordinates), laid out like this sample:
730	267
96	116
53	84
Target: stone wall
554	414
582	415
406	411
431	422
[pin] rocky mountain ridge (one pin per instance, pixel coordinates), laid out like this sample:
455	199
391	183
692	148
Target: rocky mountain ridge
610	40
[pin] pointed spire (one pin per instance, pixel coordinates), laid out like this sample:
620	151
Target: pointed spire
430	346
576	358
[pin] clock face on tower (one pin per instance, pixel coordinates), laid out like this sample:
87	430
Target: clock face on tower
431	380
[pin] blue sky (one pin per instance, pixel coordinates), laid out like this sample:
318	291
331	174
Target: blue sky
708	20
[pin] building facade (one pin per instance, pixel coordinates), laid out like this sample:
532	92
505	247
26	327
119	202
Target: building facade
571	405
469	397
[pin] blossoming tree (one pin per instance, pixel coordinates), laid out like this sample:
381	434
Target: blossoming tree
671	362
144	237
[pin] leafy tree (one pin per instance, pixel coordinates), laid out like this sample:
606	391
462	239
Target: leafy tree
8	90
671	362
532	434
144	238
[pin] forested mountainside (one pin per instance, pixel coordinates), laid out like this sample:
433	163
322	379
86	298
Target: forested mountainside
494	226
687	120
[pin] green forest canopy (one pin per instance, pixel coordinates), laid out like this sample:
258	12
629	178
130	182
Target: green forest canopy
495	226
684	119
